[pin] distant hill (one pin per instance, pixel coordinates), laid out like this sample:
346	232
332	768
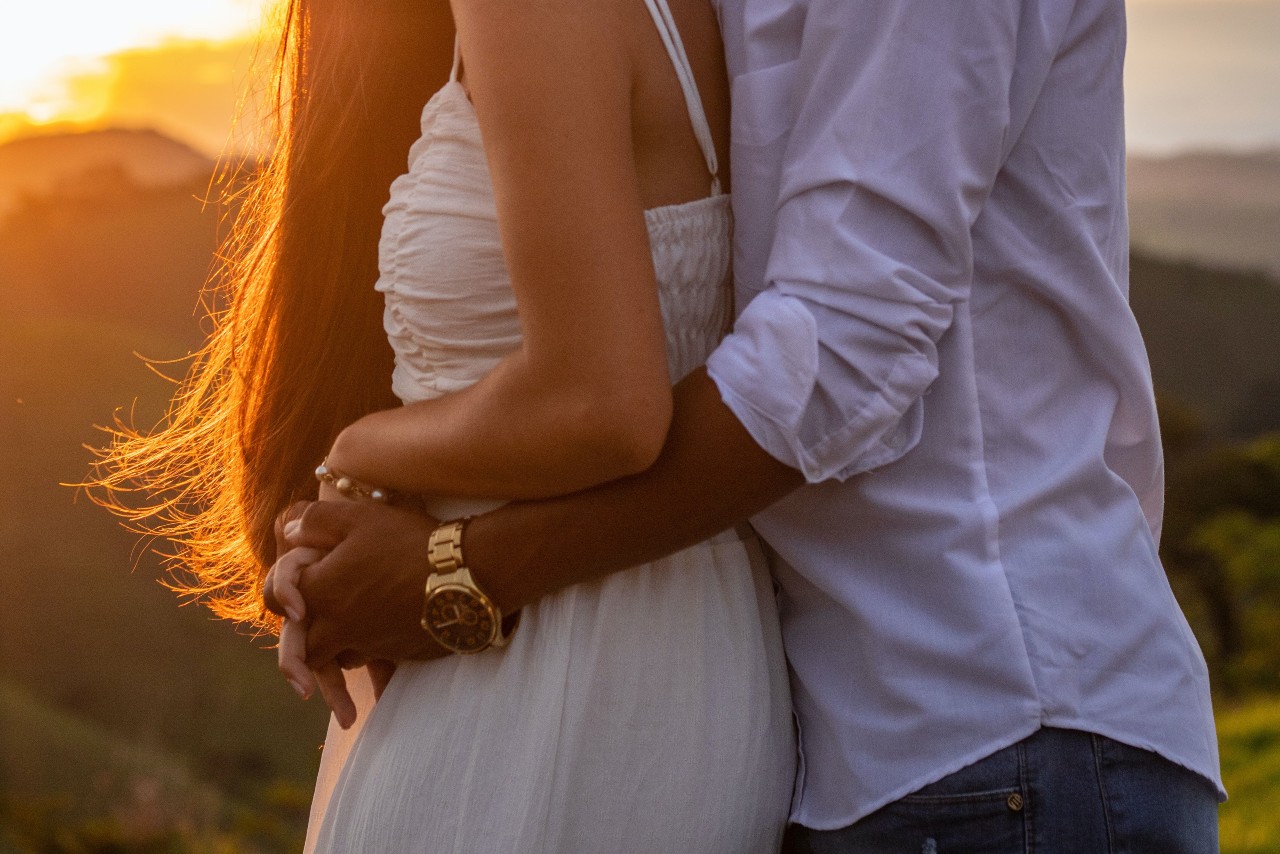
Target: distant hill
1219	208
1213	337
79	162
121	253
44	748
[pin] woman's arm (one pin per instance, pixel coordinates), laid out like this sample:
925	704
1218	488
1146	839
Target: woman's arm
587	396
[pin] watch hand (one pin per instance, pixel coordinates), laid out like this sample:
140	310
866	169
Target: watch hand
453	615
456	615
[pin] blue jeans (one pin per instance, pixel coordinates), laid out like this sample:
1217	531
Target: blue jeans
1057	792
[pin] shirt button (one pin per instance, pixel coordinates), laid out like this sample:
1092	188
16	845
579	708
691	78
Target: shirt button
1015	802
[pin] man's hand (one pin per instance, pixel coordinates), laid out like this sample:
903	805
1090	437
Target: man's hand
351	584
364	596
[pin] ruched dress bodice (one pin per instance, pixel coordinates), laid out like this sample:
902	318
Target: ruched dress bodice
450	308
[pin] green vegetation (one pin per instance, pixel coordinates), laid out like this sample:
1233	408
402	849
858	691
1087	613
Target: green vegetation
1211	337
1221	548
1249	738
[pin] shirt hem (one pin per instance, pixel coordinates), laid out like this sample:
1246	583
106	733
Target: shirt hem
992	747
920	782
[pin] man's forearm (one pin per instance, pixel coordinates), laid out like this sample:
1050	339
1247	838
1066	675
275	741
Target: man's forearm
711	474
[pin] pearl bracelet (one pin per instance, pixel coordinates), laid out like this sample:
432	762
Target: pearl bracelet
351	488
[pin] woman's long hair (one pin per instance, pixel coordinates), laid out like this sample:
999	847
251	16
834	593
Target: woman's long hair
297	350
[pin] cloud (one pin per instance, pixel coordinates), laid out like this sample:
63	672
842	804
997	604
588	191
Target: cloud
197	91
1202	74
201	92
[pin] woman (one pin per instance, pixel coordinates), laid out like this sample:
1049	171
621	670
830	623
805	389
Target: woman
556	254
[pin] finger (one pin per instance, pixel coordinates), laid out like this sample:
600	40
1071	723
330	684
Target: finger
268	595
290	513
291	657
333	687
282	587
269	598
322	525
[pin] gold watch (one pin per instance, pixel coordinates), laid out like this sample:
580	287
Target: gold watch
456	612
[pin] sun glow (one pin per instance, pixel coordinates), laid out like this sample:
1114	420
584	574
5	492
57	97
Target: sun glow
53	65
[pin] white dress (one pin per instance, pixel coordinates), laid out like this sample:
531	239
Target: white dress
647	712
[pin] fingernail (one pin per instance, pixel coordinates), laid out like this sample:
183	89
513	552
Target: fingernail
293	613
291	527
300	688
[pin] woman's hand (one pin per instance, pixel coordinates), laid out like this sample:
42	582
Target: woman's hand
291	653
280	593
282	589
349	581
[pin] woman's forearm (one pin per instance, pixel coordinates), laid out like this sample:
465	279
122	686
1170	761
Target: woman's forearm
517	433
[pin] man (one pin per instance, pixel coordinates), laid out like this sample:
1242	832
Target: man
934	339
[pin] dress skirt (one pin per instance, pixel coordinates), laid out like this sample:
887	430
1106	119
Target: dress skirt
646	712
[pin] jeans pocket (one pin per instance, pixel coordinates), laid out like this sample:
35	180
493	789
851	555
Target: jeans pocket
993	821
980	808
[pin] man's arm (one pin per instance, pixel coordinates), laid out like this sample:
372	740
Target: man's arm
710	475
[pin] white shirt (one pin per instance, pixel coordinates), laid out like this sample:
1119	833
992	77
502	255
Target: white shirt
932	272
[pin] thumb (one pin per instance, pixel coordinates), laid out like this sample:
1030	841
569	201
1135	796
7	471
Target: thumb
321	525
283	518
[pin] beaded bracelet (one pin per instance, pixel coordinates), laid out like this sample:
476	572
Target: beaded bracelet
351	488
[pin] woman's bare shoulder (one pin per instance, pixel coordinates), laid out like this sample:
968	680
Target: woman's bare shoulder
568	16
545	50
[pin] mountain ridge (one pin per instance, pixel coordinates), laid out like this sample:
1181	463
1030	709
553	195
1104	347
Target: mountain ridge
1216	207
40	165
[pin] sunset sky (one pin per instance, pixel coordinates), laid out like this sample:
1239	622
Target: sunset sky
1201	73
178	64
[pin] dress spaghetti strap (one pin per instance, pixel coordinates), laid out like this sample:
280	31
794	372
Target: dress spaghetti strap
662	16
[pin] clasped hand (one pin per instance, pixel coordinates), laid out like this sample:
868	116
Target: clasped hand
348	581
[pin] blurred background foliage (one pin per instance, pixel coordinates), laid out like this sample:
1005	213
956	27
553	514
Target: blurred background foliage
1221	548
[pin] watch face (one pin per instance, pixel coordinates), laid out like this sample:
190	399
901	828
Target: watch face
459	619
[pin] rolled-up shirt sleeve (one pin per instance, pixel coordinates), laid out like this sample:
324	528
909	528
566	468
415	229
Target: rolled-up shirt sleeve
901	122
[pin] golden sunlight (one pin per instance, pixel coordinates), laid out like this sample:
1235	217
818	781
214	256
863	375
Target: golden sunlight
53	55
